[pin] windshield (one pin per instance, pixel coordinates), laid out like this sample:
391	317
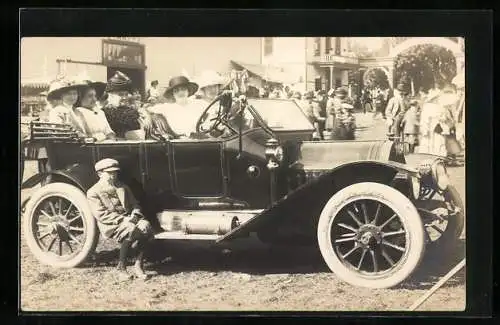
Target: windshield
281	114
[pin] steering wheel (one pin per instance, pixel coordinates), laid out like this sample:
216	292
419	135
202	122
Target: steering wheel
214	118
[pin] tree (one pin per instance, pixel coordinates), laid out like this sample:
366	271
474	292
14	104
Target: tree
427	65
374	78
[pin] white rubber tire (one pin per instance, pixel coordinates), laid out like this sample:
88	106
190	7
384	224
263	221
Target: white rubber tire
79	200
409	216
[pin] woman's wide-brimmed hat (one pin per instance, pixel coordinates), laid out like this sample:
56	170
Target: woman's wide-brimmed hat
210	78
62	85
180	81
119	82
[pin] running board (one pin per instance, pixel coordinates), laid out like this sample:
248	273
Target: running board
180	235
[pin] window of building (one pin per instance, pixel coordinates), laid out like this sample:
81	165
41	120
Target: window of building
317	41
268	45
317	84
337	46
328	47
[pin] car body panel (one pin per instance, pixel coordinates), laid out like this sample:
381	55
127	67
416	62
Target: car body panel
318	190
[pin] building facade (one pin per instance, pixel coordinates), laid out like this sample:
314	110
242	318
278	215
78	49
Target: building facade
331	62
143	59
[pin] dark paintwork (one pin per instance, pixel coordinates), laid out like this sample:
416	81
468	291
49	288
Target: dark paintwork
179	174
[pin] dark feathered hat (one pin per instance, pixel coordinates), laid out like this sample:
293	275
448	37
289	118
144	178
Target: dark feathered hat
119	82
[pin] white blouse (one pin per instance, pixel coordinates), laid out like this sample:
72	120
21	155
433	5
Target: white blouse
65	114
97	125
182	119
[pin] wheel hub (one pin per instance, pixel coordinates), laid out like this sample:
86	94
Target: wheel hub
369	235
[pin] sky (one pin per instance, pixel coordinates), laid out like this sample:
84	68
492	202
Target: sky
164	56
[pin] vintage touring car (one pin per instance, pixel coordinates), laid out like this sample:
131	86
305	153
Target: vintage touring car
370	209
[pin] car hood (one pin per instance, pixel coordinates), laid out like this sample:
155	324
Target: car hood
314	155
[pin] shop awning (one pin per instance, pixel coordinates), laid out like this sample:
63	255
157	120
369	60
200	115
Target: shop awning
268	73
39	83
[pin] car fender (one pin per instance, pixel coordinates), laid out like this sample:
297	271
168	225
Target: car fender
416	159
317	192
79	175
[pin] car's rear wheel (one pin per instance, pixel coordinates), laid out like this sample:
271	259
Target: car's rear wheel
370	235
59	227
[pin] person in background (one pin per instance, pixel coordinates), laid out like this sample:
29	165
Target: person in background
395	110
449	100
311	110
119	216
366	101
153	93
49	104
347	123
66	92
378	102
410	124
335	112
210	85
97	125
321	100
432	118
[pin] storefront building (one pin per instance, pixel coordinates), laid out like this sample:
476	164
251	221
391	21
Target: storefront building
142	59
330	62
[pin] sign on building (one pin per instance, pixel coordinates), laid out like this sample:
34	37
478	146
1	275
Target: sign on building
118	52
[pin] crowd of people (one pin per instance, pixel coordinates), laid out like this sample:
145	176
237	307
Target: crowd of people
430	122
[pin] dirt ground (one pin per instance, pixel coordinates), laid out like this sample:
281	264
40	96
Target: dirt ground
246	275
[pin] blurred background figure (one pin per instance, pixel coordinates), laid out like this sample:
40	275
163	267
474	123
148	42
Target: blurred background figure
336	113
366	101
311	110
396	108
49	104
153	93
210	84
410	124
459	82
378	104
432	123
321	100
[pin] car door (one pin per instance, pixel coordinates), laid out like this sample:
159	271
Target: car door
130	155
198	168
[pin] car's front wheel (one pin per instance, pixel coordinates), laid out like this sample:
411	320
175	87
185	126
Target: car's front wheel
370	235
59	227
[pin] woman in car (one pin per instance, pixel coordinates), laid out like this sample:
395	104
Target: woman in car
124	115
184	111
66	92
210	84
96	122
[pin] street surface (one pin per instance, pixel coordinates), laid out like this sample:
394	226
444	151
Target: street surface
247	275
